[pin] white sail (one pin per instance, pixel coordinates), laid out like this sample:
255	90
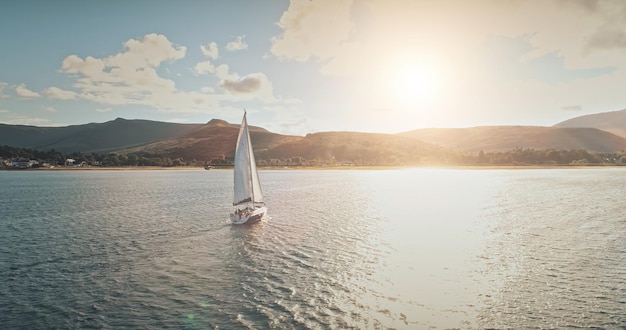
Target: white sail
247	188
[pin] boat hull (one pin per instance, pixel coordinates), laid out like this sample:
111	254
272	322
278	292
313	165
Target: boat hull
252	217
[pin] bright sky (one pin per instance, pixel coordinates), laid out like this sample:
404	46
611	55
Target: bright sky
304	66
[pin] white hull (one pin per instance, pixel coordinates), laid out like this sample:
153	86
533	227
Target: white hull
254	216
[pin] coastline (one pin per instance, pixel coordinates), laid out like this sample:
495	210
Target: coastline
308	168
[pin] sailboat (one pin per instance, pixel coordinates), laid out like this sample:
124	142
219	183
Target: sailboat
248	204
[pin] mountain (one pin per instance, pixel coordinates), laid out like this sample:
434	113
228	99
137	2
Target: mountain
502	138
364	148
215	140
614	122
93	137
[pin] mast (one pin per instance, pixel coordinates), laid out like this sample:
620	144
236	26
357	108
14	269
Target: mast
245	118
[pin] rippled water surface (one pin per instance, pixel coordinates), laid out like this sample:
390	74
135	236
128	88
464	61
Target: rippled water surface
404	249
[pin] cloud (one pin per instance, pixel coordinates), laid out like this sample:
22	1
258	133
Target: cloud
25	120
253	85
3	86
237	44
59	94
604	22
204	67
313	29
222	71
131	77
127	76
104	109
572	108
573	52
24	92
292	101
148	52
608	39
4	111
210	51
342	34
50	109
245	85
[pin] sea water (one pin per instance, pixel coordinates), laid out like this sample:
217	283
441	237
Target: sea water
362	249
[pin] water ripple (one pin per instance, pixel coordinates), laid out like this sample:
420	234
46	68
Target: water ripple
404	249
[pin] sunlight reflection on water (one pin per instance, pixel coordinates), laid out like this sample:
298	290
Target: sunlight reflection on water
432	235
409	248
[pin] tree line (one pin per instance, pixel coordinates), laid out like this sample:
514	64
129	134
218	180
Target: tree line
518	156
58	158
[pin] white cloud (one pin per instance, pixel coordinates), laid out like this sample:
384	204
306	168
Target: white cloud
3	86
586	34
148	52
238	44
104	109
60	94
572	108
24	92
223	72
50	109
4	111
363	41
292	101
313	29
128	76
131	78
211	51
25	120
204	67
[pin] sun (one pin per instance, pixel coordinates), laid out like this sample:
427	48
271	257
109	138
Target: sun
415	83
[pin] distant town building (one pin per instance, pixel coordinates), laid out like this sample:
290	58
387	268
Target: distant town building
24	163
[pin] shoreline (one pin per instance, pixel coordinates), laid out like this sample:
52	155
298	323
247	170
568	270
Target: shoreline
309	168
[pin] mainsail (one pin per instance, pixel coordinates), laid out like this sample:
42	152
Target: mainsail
247	185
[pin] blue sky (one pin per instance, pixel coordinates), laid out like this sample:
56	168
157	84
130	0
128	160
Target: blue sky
305	66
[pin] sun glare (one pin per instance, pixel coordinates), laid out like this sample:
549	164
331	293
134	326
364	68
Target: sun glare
415	83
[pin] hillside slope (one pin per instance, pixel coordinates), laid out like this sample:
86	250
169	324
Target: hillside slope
93	137
364	148
216	139
614	122
502	138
